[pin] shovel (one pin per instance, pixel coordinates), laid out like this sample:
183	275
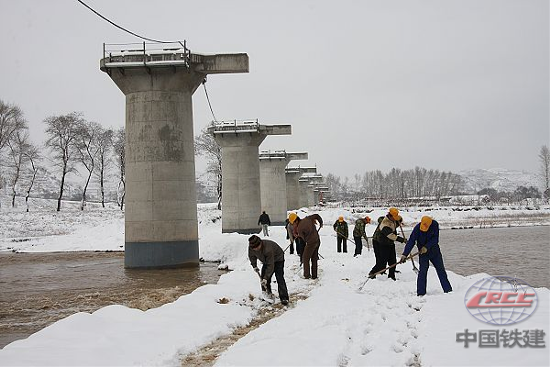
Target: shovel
415	269
383	270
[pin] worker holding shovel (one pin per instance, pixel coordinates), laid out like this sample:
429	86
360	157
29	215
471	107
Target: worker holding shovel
358	233
385	236
273	259
341	229
426	237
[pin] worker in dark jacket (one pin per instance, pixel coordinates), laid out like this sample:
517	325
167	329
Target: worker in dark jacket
273	261
426	236
306	229
342	233
359	233
265	222
386	235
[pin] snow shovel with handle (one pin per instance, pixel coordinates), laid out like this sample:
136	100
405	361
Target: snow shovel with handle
383	270
415	269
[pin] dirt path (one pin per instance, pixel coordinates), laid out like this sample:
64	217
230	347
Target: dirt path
207	355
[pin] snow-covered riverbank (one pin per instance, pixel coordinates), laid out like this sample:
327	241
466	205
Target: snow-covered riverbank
385	324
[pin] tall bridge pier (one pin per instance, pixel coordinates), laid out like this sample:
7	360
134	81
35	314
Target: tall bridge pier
273	182
161	206
293	175
241	198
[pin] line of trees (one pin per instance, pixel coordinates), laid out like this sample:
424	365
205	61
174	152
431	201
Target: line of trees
396	185
72	142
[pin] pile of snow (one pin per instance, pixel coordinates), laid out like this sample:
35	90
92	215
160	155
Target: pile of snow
384	324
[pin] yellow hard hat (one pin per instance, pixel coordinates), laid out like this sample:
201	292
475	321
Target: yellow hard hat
340	219
292	217
425	223
394	212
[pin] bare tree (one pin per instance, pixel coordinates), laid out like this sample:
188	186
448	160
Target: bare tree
544	157
11	121
33	156
62	132
19	146
206	146
118	147
104	145
88	148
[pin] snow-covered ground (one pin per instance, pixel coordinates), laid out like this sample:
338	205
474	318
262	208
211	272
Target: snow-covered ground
336	325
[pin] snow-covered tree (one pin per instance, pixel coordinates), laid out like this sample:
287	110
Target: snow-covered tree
18	147
119	151
206	146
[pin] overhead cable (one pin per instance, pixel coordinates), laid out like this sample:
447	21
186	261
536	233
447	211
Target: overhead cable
122	28
208	99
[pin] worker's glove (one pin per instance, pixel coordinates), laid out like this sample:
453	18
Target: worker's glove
423	250
401	239
256	269
403	259
264	282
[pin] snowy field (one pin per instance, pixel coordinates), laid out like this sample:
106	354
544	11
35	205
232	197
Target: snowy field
329	322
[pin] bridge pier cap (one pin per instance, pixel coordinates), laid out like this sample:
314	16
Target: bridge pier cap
158	80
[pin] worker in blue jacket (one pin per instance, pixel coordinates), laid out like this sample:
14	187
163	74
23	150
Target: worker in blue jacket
426	236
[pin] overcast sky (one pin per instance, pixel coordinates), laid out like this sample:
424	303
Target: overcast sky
366	85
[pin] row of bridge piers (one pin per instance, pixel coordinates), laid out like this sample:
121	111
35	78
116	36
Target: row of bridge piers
161	228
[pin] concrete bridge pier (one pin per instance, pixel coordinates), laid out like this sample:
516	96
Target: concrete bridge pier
273	182
241	198
293	175
161	206
314	181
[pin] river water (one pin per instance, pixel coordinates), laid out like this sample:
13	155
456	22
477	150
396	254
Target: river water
520	252
37	289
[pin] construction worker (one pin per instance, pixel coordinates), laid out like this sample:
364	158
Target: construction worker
341	228
290	234
265	222
426	236
273	261
306	229
386	235
359	233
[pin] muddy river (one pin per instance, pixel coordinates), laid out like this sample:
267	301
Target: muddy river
37	289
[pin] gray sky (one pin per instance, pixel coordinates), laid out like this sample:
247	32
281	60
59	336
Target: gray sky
366	85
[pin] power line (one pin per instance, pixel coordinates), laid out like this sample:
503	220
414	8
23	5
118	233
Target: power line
122	28
208	99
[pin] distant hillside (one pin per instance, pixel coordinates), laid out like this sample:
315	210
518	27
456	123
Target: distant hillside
499	179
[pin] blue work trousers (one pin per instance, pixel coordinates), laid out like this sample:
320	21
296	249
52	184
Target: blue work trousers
433	256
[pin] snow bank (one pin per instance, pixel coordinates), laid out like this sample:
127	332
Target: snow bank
385	324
